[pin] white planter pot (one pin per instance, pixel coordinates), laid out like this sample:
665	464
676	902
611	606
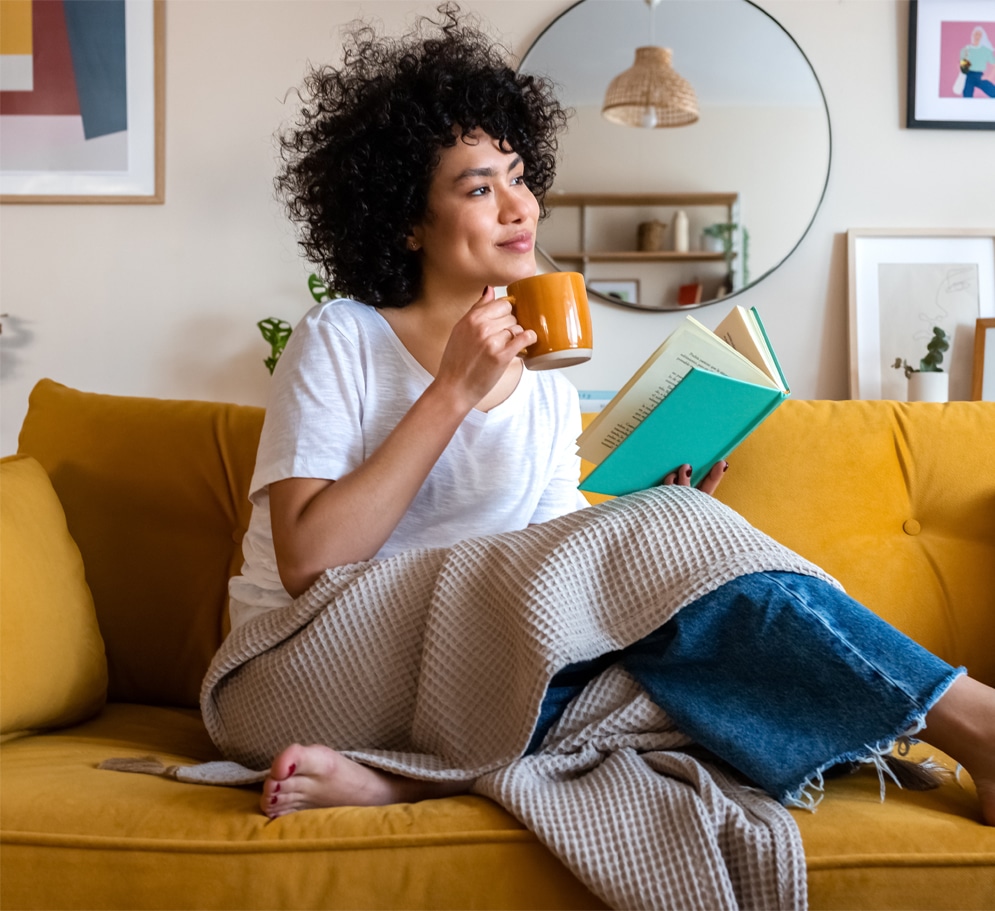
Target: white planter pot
929	387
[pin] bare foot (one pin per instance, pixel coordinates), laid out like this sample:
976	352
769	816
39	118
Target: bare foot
306	777
962	724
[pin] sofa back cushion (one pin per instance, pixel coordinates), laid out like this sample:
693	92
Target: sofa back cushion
52	667
154	493
896	500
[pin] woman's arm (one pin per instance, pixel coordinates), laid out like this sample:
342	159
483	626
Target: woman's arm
321	523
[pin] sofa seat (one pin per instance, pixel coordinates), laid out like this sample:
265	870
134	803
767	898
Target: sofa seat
139	841
210	847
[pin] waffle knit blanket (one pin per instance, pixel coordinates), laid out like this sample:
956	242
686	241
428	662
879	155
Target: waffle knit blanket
434	663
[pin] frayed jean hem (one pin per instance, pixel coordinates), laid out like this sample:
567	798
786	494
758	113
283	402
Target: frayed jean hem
782	677
808	795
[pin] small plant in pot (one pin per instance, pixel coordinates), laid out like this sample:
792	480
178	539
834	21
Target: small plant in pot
719	238
928	382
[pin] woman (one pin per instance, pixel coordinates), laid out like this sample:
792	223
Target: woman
979	55
407	420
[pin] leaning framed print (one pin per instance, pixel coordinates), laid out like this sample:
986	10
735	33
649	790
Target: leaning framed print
951	67
902	283
82	94
624	290
983	389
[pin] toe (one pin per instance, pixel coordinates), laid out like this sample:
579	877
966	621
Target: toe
286	763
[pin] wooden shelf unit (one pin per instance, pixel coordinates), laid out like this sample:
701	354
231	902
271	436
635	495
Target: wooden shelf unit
585	201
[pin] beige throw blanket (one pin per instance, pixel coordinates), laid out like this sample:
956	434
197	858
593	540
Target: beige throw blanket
434	664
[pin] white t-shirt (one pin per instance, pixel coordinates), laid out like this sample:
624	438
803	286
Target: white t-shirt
342	384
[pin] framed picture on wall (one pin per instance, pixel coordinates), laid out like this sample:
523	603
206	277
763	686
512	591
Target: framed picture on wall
624	290
951	79
983	389
904	282
82	102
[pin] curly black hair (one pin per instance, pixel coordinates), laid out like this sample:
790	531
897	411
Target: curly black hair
358	162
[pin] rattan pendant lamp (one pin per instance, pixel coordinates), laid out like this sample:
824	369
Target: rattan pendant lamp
650	93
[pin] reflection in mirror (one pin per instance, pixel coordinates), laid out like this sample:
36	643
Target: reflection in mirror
757	158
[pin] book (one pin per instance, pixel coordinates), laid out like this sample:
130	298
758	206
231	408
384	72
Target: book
689	294
696	398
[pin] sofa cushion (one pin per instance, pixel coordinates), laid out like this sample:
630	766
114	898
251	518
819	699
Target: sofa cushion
155	494
896	500
78	837
75	836
52	666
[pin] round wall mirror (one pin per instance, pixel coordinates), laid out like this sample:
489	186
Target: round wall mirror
665	217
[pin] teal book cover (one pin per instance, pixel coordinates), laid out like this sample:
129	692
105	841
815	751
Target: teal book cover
702	421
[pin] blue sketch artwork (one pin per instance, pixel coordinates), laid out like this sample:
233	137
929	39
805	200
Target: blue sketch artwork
915	297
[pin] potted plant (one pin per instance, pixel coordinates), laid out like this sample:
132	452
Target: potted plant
928	382
719	238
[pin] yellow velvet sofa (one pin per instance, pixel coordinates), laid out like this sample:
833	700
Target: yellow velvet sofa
121	523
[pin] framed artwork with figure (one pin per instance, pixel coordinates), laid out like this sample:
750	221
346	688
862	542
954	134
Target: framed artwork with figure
902	283
951	76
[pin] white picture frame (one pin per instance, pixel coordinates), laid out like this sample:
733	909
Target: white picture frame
902	282
620	290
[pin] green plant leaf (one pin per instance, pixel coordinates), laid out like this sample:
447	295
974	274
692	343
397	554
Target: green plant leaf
318	288
276	332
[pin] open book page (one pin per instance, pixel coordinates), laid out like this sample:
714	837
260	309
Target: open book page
690	345
743	331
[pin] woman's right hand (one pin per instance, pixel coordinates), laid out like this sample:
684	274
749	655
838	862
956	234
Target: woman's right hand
318	523
481	346
682	477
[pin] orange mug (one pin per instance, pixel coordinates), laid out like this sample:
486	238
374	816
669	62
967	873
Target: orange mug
554	306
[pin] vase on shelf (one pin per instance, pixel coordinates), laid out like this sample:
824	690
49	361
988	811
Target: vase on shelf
650	236
681	239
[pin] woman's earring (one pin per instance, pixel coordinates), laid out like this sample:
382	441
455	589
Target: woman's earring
413	244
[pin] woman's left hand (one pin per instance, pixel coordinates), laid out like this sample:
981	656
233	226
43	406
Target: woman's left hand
682	477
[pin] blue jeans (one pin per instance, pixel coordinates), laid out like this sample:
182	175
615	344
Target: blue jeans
780	675
975	80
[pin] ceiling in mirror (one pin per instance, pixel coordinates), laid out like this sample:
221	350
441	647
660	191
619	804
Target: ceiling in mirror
757	158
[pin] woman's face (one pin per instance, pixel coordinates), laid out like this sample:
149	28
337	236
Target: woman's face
976	37
480	224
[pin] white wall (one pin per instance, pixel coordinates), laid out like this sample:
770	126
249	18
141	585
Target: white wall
163	300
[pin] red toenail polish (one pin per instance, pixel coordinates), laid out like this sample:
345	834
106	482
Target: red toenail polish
272	801
687	472
276	789
293	767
